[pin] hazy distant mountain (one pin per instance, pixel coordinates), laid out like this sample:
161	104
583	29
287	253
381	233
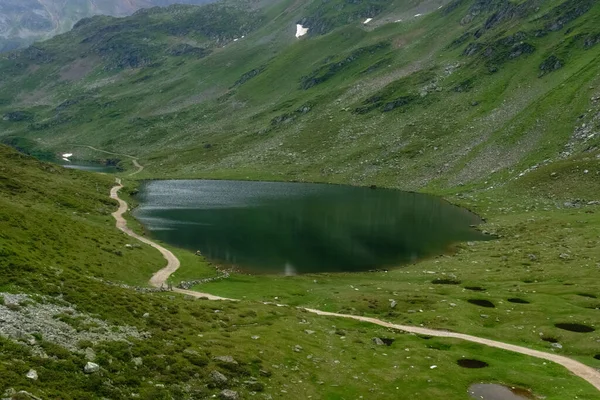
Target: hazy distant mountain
24	21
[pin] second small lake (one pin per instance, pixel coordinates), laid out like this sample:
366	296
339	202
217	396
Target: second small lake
90	167
271	227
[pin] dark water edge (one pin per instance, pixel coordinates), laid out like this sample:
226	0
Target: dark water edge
274	227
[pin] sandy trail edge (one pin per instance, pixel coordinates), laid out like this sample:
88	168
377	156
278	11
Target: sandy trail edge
581	370
160	277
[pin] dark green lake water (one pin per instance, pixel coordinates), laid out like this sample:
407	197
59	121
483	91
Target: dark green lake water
89	166
268	227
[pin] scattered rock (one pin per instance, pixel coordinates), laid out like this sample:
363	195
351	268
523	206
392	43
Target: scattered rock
378	341
225	360
298	348
32	374
557	345
218	378
550	64
255	385
309	332
90	355
137	361
393	304
565	256
146	315
91	367
229	395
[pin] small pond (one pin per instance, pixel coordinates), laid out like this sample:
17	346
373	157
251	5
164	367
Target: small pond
89	166
269	227
491	391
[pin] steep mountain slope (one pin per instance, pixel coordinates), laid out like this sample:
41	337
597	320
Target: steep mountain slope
24	21
474	89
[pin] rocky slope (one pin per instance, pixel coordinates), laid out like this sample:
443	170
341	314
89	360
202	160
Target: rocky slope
426	94
25	21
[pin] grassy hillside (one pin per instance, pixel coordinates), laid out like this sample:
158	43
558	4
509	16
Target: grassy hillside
494	104
470	91
60	252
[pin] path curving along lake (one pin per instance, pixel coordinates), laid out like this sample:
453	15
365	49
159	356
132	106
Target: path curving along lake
289	228
581	370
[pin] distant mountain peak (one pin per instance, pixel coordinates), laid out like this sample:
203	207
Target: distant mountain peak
24	21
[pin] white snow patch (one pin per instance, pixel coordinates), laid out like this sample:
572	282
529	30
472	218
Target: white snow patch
66	159
236	39
368	20
418	15
67	155
300	30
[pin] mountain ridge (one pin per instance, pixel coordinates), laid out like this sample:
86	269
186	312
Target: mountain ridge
23	22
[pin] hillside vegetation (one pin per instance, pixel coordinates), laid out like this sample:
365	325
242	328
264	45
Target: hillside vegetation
494	104
471	91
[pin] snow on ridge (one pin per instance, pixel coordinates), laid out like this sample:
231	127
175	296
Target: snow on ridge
300	30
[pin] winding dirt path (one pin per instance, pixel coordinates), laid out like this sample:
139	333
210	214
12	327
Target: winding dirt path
133	159
159	279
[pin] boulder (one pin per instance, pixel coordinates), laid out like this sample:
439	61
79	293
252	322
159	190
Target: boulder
91	367
229	395
225	359
378	341
32	374
218	378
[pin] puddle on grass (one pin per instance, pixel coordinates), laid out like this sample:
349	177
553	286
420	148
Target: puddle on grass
470	363
475	288
580	328
517	301
492	391
482	303
550	339
445	282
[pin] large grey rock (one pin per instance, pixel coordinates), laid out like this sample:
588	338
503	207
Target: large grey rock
378	341
218	378
91	367
229	395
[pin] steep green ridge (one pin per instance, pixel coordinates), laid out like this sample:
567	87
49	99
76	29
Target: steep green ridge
59	251
472	90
